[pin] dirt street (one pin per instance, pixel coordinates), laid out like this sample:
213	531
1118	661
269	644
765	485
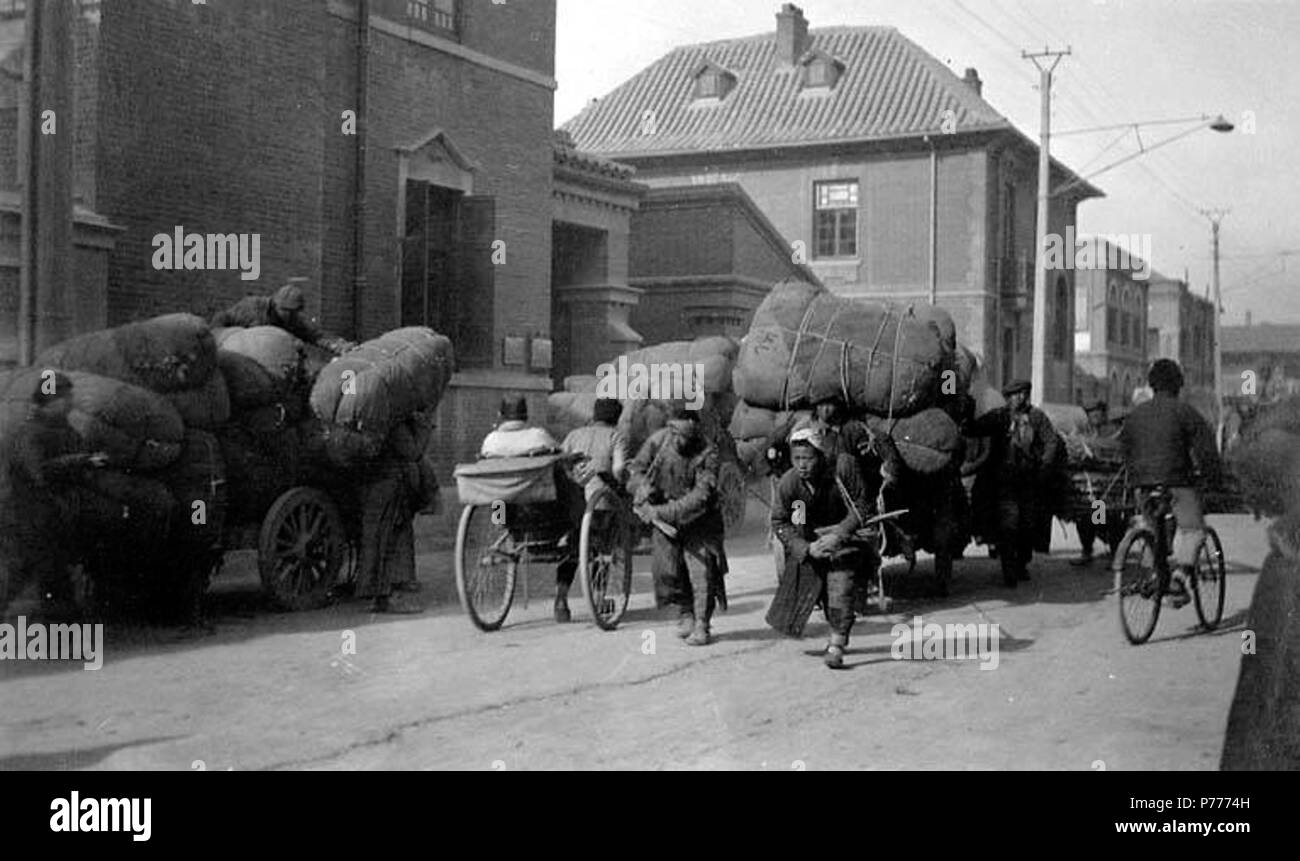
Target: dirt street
268	691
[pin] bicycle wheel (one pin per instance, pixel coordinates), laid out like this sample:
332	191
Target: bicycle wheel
487	565
1139	584
1209	580
605	544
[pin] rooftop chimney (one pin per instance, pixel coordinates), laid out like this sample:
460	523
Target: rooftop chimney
972	80
791	34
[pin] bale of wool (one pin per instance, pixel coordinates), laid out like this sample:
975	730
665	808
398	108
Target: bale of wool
136	428
581	383
384	381
807	345
206	407
163	354
198	482
1267	469
126	508
264	365
928	441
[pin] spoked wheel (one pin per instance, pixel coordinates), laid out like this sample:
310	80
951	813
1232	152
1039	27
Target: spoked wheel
605	544
487	564
1138	585
301	549
732	495
1209	582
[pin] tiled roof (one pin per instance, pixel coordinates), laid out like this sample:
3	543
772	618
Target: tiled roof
1264	338
567	156
889	88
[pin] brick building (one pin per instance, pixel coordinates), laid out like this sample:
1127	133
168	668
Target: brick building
1110	326
434	207
877	166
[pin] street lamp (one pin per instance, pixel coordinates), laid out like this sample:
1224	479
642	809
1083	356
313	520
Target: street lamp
1217	123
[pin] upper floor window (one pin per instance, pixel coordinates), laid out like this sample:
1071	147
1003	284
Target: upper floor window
713	82
835	219
435	15
821	71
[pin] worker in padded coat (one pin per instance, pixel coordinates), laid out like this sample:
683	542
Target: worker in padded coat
1024	470
818	507
674	481
283	310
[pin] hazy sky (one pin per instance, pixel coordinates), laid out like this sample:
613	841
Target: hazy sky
1132	61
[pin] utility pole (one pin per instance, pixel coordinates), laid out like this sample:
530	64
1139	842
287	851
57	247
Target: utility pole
1216	216
1038	370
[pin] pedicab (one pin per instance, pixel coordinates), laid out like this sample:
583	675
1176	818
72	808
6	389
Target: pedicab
519	512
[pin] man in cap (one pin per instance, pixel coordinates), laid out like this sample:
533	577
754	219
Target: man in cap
1168	443
674	480
284	310
1025	456
818	506
513	436
602	458
1099	427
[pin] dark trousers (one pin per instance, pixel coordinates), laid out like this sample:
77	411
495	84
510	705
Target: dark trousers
841	589
680	579
1016	513
1087	534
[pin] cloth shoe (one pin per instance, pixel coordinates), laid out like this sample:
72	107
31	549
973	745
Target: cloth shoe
561	611
700	634
685	624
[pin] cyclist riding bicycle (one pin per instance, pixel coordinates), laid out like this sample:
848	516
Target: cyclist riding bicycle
1168	443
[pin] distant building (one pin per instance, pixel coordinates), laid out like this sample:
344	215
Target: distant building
1181	328
1110	328
879	168
1261	361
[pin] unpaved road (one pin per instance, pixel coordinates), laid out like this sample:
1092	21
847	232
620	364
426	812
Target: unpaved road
267	691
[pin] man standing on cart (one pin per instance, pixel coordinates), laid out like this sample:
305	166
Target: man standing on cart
602	450
674	483
283	310
1026	451
819	505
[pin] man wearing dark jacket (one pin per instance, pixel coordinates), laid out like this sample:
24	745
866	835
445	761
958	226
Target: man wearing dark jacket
1167	442
818	506
674	479
283	310
1025	456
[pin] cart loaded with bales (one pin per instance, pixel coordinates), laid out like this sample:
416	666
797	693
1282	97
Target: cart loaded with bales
1096	486
233	439
897	369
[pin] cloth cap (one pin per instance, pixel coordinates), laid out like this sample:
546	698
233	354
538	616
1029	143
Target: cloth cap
514	409
808	436
607	410
289	298
1015	386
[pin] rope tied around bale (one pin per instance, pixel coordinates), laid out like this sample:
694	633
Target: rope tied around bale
794	353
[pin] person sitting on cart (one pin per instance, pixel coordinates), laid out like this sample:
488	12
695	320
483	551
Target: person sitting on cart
1099	427
674	482
283	310
1167	442
514	437
602	456
819	505
1025	457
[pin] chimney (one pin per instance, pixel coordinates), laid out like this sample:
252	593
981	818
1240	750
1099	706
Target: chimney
791	34
972	80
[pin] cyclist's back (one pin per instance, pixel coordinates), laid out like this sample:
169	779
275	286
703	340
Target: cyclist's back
1167	442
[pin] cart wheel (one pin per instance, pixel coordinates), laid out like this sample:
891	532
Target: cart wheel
301	549
487	565
732	495
1139	585
1209	581
605	545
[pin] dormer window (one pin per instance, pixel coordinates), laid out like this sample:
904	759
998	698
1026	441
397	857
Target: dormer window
712	83
821	71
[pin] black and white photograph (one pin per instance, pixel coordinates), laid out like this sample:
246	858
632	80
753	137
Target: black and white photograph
604	385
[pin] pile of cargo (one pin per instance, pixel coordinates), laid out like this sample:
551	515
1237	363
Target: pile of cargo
206	428
1266	461
899	367
630	380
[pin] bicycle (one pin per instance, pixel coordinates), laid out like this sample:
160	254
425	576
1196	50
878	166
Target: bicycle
1143	573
